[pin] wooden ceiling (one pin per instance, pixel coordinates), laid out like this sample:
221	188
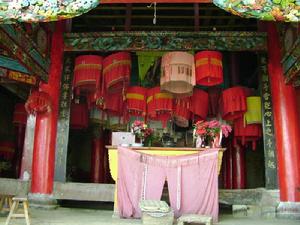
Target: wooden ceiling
169	17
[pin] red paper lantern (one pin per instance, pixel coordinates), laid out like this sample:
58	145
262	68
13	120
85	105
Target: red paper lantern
38	102
247	133
159	105
234	103
182	112
116	71
199	104
87	73
209	68
178	73
79	118
136	101
20	114
7	149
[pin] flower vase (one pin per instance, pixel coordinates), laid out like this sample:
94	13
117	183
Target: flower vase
199	142
138	141
216	143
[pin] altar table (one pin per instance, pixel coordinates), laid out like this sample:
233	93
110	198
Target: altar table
162	151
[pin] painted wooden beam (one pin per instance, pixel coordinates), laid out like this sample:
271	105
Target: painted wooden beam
165	41
21	47
152	1
291	64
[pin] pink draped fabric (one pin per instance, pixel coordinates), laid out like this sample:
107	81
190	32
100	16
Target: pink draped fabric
192	182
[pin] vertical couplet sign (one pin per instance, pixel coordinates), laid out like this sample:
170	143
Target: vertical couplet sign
64	119
268	128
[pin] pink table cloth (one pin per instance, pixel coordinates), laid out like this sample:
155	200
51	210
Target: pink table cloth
192	182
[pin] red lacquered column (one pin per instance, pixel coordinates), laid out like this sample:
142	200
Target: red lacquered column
97	159
228	158
287	132
20	144
46	126
238	167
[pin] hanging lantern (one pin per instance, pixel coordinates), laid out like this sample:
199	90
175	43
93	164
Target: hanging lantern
178	73
253	114
98	116
247	133
114	107
182	112
7	149
136	101
20	115
234	103
199	104
209	68
87	73
79	118
116	71
159	105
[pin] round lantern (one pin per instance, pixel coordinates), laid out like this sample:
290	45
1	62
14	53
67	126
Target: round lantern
253	114
116	71
247	133
199	104
234	103
79	118
159	105
209	69
182	112
7	149
178	73
20	114
136	101
87	73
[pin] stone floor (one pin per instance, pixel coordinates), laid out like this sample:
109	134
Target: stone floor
73	216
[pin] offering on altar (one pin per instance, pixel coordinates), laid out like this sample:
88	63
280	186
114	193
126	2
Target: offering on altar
141	131
209	133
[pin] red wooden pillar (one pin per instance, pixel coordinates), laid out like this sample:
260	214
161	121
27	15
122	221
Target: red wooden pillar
238	167
97	159
228	170
46	126
287	131
20	130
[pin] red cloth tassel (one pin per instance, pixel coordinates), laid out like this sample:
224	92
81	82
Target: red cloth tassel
199	104
182	112
136	101
234	103
247	133
160	105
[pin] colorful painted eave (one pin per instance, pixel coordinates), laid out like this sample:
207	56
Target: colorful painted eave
152	1
165	41
291	65
20	46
